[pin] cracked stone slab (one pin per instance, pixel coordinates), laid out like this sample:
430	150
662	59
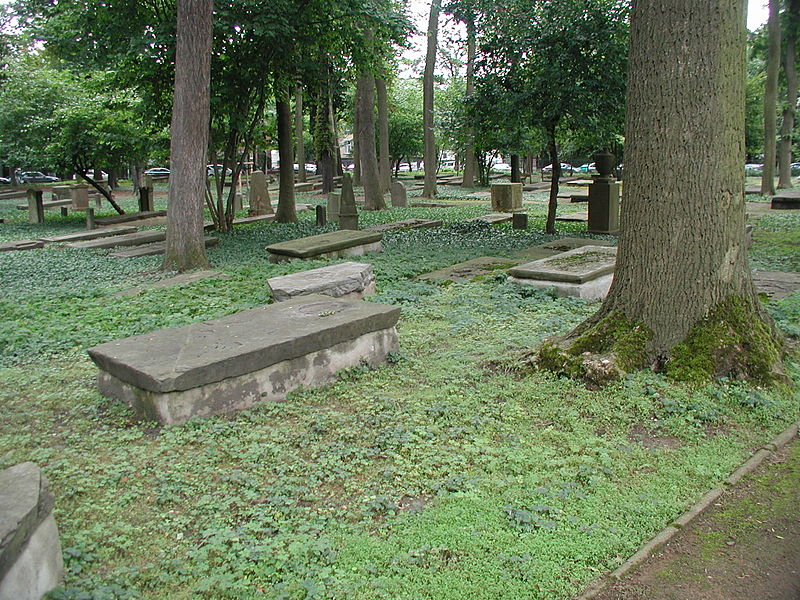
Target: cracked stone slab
324	243
91	234
573	266
349	280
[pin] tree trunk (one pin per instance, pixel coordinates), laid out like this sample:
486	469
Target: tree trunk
516	174
185	247
373	196
300	156
356	142
787	123
384	161
771	99
286	211
470	163
682	290
552	205
429	190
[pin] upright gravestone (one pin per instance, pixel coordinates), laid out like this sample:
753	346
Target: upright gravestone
259	195
90	222
321	220
237	202
399	196
80	197
519	220
348	215
35	206
334	199
506	197
146	194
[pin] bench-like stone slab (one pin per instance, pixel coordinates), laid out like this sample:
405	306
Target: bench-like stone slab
92	234
239	360
345	280
131	217
576	216
129	239
155	249
31	563
21	245
786	200
405	224
345	242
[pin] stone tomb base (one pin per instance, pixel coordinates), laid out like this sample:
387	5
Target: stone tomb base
346	280
334	244
585	272
234	362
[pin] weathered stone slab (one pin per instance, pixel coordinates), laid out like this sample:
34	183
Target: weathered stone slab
334	199
786	200
776	284
470	269
129	239
506	197
571	243
178	280
218	366
576	216
591	290
405	224
304	187
30	553
574	266
431	205
130	217
155	249
575	196
21	245
80	236
345	242
48	204
260	203
345	280
398	194
493	218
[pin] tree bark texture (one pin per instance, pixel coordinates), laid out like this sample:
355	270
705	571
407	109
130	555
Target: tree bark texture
555	174
300	155
470	163
370	178
516	174
356	142
429	190
682	247
185	247
787	123
771	98
384	160
286	211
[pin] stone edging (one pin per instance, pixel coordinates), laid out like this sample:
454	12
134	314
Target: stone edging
708	498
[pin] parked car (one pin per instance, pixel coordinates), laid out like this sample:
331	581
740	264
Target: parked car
501	167
5	181
587	167
156	172
210	169
565	168
795	168
753	169
35	177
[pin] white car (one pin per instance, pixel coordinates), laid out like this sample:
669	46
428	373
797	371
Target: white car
565	168
501	167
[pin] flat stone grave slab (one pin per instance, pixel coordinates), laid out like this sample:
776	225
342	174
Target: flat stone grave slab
405	224
574	196
345	280
576	216
130	217
91	234
582	182
345	242
209	225
752	190
776	284
493	218
584	272
431	205
178	280
21	245
558	246
470	269
155	249
129	239
47	204
786	200
237	361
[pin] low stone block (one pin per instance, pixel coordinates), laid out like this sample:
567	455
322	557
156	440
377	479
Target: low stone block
155	249
398	195
574	266
81	236
786	201
506	197
470	269
21	245
345	280
236	361
130	217
405	224
493	218
129	239
345	242
30	552
596	288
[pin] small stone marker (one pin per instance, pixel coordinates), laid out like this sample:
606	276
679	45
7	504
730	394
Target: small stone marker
90	222
519	221
492	218
603	206
333	206
220	366
585	272
345	280
35	206
80	197
260	203
64	211
237	202
506	197
320	215
348	214
31	563
398	194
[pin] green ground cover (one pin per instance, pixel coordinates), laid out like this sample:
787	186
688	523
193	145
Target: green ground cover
448	474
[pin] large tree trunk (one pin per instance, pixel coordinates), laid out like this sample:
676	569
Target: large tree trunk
683	298
384	161
429	190
552	205
300	155
470	163
771	99
516	174
185	247
356	143
373	196
286	211
787	123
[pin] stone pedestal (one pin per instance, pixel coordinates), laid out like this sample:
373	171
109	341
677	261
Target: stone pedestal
519	221
334	200
35	206
604	206
348	214
80	197
90	222
260	203
320	215
506	197
146	194
30	552
399	196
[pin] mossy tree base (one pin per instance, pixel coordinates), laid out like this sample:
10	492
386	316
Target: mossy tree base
733	341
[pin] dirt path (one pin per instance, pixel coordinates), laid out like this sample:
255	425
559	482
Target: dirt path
745	547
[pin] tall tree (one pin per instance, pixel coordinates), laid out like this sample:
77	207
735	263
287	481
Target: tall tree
771	98
790	107
300	154
682	299
286	211
185	247
384	161
429	190
370	178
